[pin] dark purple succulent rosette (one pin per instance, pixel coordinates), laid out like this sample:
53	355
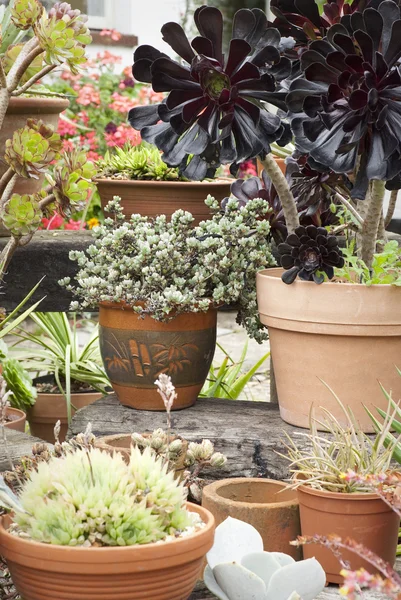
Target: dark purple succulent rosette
345	108
308	253
215	111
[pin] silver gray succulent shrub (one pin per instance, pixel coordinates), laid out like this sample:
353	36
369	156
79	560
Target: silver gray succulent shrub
165	268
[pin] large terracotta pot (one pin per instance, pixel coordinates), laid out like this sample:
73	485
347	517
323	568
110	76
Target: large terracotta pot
348	335
151	198
364	518
19	110
18	419
161	571
122	442
263	503
50	408
280	163
135	350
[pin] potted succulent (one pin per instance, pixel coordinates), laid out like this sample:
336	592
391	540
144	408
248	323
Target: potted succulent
70	376
238	567
333	503
30	146
121	525
158	284
11	418
149	187
335	95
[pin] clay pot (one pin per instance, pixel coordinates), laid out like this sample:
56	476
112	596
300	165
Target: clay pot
19	110
156	571
50	408
364	518
121	442
349	335
264	503
18	419
136	350
151	198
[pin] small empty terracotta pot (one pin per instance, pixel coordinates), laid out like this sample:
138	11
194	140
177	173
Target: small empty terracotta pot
160	571
121	442
264	503
16	419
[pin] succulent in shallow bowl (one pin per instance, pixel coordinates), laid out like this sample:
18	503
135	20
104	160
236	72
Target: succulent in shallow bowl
239	569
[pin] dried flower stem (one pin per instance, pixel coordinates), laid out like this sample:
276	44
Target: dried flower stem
283	191
348	205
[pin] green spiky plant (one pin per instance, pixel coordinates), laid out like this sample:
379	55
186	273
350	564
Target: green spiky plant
35	43
91	498
228	380
142	162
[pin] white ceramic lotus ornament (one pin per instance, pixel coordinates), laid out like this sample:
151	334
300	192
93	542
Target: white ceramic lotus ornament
239	569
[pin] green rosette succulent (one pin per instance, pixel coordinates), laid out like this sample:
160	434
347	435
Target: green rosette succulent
73	181
142	162
91	498
63	35
26	13
32	148
22	215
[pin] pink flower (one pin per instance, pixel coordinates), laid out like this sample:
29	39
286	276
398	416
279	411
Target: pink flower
120	103
68	145
74	225
55	222
66	127
122	135
107	58
111	33
87	94
148	96
93	156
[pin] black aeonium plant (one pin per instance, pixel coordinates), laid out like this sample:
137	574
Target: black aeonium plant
346	106
309	253
215	111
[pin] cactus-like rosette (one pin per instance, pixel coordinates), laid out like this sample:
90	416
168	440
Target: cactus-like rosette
63	35
73	181
89	497
21	215
32	148
26	13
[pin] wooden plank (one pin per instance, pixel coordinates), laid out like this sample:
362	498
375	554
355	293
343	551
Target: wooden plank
249	433
18	445
45	256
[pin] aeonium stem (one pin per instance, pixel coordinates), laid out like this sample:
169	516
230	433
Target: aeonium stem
372	221
287	200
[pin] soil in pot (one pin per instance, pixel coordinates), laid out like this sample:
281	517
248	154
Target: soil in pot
50	407
19	110
153	571
347	335
362	517
151	198
264	503
15	419
122	443
136	350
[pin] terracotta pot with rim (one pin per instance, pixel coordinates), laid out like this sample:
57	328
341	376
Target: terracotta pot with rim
348	335
50	408
151	198
17	419
160	571
135	350
121	442
366	518
19	110
264	503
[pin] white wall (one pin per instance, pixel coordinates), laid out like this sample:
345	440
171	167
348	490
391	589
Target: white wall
148	17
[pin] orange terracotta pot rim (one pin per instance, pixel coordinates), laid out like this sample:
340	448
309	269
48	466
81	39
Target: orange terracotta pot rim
44	103
214	487
276	272
147	182
122	553
348	496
